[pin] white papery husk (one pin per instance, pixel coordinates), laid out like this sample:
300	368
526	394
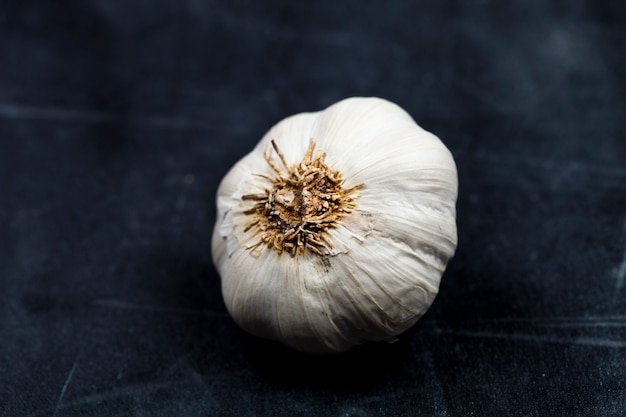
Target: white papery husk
388	254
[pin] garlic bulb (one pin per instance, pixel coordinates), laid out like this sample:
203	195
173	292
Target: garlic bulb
335	230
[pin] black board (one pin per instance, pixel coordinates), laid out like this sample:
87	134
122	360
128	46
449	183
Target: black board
118	120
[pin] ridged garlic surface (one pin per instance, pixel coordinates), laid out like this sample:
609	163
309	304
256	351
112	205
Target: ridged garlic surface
336	229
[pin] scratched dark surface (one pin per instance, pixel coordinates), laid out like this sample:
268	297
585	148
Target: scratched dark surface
119	118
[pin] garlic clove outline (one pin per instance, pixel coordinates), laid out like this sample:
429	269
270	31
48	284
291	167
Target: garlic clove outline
336	228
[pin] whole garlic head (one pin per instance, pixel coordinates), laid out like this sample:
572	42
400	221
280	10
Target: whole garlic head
336	229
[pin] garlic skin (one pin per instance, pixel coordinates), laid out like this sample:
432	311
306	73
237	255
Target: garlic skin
364	264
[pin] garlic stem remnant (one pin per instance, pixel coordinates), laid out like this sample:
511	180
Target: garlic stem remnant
304	201
336	228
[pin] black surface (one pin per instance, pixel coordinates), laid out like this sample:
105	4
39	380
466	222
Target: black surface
119	118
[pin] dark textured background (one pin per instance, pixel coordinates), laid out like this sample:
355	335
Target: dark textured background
119	118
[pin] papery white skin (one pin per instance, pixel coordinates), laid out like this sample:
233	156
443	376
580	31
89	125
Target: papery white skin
388	255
